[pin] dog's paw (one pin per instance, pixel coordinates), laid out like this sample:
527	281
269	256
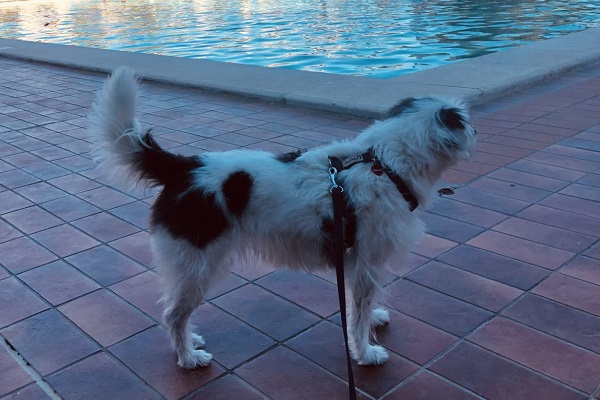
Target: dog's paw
374	355
197	341
380	317
195	358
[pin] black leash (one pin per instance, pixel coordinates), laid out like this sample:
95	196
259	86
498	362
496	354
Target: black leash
339	248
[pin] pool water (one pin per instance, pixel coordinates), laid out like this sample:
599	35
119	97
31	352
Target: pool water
378	38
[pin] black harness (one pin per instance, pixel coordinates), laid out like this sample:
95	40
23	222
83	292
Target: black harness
344	216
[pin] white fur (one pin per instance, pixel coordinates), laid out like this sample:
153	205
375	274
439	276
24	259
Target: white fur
289	201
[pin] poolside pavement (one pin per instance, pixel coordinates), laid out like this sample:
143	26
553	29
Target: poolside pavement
501	300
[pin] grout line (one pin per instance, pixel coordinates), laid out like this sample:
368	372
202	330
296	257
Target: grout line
37	378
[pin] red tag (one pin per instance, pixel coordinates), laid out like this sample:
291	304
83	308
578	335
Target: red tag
377	169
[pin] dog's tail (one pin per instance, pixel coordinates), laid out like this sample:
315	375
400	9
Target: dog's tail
120	144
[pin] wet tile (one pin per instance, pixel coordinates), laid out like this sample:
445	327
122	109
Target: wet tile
324	345
136	246
428	386
91	375
143	291
437	309
304	289
565	362
64	240
228	339
58	282
266	312
49	342
21	254
105	227
570	291
227	388
105	317
70	208
521	249
466	286
556	319
545	234
300	375
562	219
32	219
105	265
13	311
494	266
496	378
150	356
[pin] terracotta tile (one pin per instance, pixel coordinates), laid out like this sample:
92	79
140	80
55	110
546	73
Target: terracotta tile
573	152
31	391
250	269
40	192
413	339
74	183
573	292
428	386
562	219
49	342
306	290
496	378
70	208
584	268
227	388
13	376
8	232
564	161
412	262
510	190
143	291
225	285
494	266
32	219
10	201
573	204
582	191
137	213
13	311
105	197
466	286
593	251
58	282
565	362
105	317
91	375
105	265
547	170
491	201
136	246
431	246
558	320
458	177
524	250
324	345
492	159
105	227
46	170
300	375
16	178
467	213
545	234
64	240
228	339
149	355
265	311
21	254
434	308
529	180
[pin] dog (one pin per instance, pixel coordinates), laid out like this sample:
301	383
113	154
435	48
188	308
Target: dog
278	208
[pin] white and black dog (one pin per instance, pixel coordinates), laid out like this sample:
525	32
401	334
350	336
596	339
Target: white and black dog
279	208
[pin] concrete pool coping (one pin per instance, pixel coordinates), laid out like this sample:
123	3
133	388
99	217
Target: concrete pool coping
474	80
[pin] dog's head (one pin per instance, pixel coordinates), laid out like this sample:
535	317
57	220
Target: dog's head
441	127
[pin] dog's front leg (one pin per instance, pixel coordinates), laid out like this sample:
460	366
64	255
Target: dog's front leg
362	316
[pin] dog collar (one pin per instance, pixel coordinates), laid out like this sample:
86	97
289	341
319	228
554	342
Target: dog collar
378	168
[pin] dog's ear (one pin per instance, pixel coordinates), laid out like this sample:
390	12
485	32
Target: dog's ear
452	119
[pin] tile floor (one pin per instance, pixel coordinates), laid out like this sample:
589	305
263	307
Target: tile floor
500	301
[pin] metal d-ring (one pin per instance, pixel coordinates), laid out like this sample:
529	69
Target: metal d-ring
332	174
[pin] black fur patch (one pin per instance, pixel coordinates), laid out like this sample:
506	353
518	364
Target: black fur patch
401	106
236	190
289	157
452	118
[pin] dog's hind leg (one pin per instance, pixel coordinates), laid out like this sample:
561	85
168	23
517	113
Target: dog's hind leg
361	314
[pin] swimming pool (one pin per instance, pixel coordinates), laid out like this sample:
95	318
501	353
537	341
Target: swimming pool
378	38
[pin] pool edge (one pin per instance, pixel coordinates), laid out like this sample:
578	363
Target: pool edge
474	80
